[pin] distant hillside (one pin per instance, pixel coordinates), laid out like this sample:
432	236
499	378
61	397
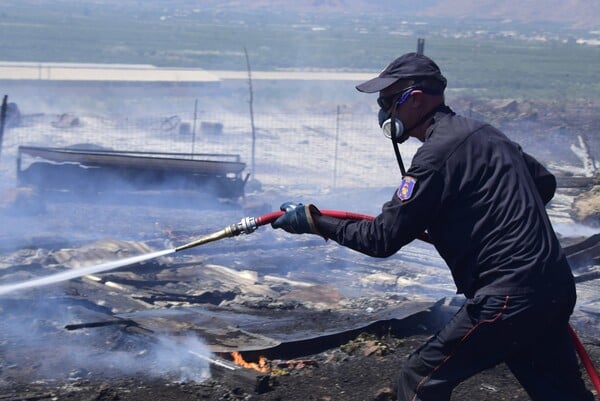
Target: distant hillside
582	14
575	13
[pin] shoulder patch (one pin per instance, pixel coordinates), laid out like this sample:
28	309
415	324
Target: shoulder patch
405	190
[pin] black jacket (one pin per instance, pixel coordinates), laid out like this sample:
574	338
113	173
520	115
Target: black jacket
482	201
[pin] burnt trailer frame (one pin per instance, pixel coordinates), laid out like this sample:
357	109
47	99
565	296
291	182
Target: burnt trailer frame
92	171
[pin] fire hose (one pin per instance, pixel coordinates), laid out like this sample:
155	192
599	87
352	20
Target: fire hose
249	224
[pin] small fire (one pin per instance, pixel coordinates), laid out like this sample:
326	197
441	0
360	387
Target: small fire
261	366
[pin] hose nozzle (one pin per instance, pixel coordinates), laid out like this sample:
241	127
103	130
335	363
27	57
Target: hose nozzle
246	226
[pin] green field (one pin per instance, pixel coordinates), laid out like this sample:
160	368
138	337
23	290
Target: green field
485	65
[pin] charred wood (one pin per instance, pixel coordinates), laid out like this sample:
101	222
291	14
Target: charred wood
120	322
584	253
26	397
241	378
208	297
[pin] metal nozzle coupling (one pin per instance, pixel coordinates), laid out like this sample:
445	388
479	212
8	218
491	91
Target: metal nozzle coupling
246	226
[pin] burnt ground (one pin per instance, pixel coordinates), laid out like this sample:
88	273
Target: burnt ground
355	365
363	369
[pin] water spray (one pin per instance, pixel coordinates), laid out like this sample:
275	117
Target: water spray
246	226
84	271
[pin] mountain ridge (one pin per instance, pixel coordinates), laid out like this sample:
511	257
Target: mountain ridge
582	14
575	14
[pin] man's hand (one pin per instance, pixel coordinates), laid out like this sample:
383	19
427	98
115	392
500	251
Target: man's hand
298	218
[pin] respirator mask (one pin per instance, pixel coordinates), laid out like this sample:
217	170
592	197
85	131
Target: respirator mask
392	127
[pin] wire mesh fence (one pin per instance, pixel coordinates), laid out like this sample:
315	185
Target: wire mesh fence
338	149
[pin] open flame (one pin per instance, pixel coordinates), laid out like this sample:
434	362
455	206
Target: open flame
262	365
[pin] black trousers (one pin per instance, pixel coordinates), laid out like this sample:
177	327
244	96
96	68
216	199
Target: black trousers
527	332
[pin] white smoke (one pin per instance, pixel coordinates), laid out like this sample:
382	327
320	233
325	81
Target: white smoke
574	230
170	357
37	342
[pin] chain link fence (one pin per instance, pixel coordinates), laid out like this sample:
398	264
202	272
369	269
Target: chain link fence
338	149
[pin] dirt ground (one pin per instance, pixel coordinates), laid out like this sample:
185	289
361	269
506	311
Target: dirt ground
363	369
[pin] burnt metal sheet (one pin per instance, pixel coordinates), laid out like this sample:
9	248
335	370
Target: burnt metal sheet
205	163
92	171
227	329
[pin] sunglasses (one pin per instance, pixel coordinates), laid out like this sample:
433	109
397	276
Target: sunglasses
386	102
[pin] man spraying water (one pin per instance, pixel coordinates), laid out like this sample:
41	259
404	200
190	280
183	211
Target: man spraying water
482	201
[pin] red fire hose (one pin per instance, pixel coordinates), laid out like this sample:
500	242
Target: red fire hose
271	217
585	359
581	351
340	214
250	224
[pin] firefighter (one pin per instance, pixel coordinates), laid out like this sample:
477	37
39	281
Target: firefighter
481	199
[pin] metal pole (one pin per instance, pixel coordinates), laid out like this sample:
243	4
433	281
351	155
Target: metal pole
3	119
335	154
420	46
194	127
253	168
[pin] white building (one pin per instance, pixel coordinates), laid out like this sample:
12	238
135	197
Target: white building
118	74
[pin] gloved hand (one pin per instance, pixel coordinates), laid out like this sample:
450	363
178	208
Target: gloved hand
298	218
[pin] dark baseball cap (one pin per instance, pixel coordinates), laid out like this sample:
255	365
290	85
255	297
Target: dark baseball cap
408	66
